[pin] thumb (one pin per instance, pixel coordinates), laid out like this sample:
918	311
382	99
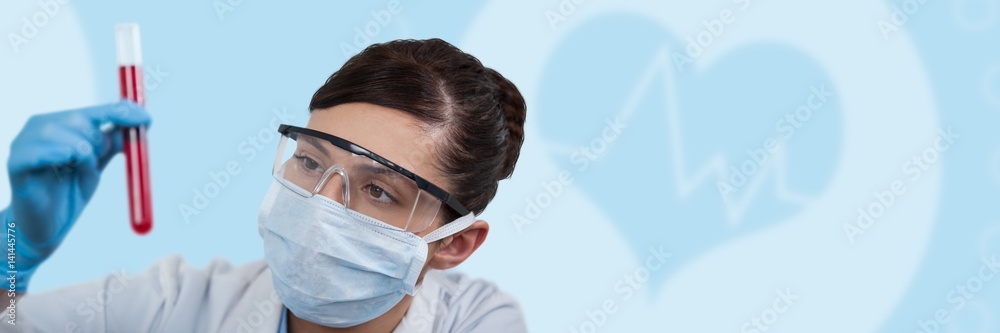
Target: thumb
120	114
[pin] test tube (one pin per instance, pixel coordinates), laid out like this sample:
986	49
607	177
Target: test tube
134	138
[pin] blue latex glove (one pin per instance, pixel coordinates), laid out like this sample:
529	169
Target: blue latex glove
55	164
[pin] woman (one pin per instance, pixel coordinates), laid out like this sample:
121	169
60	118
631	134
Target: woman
405	144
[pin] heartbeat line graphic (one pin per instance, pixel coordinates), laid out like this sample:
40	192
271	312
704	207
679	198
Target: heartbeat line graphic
714	169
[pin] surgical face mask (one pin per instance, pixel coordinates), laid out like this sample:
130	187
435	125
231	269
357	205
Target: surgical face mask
334	266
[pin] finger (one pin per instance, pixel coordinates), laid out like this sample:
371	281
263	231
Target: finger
60	161
33	156
60	139
90	175
120	114
111	146
52	141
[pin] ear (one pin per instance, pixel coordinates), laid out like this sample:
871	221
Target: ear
454	249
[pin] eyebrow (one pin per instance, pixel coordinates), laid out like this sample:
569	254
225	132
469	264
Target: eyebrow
315	142
383	170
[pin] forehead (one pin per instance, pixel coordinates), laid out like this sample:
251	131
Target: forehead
390	133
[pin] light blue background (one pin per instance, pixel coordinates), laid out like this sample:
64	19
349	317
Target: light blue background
654	185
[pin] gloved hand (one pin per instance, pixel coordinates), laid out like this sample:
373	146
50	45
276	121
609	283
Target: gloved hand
55	164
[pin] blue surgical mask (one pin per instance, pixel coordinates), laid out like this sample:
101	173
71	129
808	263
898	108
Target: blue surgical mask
336	267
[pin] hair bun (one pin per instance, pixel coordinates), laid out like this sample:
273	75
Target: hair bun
514	111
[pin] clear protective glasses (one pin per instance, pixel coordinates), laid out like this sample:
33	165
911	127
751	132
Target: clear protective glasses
368	183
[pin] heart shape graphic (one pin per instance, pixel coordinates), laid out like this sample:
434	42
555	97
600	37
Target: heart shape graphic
780	233
649	145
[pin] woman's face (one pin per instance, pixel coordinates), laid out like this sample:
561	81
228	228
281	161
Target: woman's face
390	133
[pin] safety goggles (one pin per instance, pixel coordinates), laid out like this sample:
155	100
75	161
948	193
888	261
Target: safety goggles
308	160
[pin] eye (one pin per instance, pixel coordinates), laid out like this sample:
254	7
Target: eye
308	163
378	193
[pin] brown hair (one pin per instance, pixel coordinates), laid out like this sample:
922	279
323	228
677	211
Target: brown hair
476	112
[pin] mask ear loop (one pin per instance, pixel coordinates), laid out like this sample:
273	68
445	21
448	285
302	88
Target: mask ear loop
451	228
346	190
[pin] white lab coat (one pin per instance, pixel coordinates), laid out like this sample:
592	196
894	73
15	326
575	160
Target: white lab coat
174	297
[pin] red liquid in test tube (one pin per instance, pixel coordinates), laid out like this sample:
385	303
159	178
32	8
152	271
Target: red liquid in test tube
134	138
